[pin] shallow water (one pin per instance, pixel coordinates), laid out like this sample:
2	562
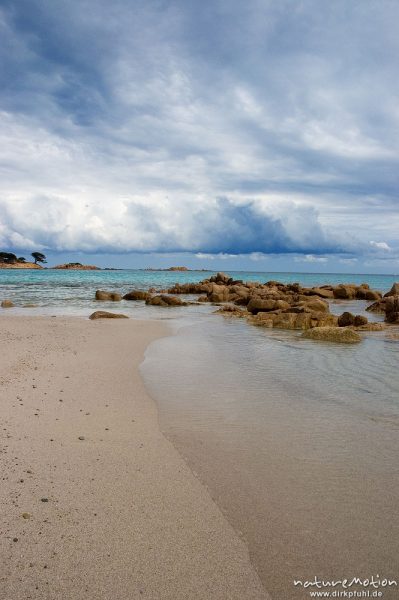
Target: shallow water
297	441
72	292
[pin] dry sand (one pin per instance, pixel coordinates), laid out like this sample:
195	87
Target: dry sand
124	517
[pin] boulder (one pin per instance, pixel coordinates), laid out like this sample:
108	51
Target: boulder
113	296
360	320
7	304
136	295
346	319
103	314
363	293
377	307
258	304
394	291
345	292
333	334
220	278
164	300
321	292
315	304
392	309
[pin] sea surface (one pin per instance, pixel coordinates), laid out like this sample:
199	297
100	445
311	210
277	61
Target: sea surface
297	441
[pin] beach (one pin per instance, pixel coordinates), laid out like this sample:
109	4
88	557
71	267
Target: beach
96	502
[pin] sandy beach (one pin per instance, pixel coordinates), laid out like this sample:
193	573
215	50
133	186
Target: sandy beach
96	502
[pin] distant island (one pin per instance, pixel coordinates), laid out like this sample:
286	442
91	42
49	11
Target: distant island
8	260
76	266
174	269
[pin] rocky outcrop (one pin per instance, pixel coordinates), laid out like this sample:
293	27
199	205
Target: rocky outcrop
110	296
333	334
394	291
7	304
136	295
164	300
275	304
75	266
102	314
392	309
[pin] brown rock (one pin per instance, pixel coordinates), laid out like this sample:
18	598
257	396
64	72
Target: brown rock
7	304
346	319
102	314
394	291
315	304
345	292
360	320
136	295
164	300
333	334
113	296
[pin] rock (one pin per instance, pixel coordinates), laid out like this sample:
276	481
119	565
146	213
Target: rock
81	438
392	309
378	307
345	292
102	314
232	311
25	515
315	304
371	327
220	278
113	296
394	291
333	334
164	300
322	292
44	499
363	293
258	304
136	295
360	320
346	319
7	304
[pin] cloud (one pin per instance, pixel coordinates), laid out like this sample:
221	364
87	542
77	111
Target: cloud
310	258
223	129
381	246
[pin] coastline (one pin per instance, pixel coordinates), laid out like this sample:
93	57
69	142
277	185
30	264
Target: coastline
123	516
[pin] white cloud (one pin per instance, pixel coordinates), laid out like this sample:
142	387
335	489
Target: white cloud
381	246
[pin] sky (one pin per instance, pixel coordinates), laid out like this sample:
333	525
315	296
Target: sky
259	135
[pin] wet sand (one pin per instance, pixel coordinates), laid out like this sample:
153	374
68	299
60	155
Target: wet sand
95	502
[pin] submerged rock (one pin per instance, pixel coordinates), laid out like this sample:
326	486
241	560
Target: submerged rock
164	300
103	314
344	335
113	296
7	304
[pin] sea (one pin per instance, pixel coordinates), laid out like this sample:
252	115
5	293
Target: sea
296	441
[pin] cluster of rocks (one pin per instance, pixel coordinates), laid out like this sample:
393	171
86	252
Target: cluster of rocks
147	296
275	304
388	305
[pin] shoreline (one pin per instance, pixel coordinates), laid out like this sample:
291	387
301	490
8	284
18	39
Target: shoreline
118	513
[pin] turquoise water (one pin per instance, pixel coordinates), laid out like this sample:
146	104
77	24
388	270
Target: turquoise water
72	292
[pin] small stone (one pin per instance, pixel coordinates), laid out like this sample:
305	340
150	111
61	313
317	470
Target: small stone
81	437
15	539
44	499
26	515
